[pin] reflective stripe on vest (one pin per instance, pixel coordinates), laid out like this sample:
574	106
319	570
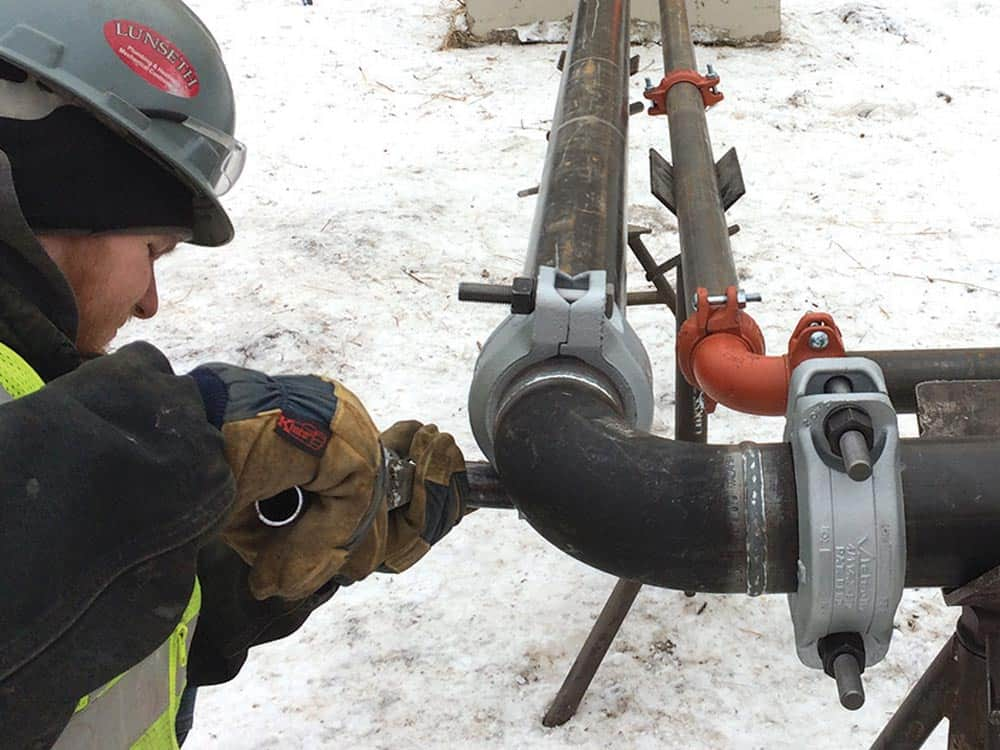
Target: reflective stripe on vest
137	709
17	378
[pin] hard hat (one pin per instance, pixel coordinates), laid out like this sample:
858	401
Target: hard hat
150	71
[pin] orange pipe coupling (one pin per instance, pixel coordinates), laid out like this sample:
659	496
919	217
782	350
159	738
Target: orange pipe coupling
721	352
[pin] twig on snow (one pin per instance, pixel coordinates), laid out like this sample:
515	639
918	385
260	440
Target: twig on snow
939	280
413	276
924	277
377	83
844	251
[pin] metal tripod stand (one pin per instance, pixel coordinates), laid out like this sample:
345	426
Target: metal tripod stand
962	684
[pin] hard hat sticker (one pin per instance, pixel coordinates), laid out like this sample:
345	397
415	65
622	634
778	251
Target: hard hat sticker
153	57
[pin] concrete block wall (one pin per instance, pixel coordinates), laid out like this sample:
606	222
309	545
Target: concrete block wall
715	21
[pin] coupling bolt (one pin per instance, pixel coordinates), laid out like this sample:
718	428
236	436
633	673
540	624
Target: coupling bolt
819	341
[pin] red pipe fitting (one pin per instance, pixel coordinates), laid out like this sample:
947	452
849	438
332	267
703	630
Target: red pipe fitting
721	352
707	85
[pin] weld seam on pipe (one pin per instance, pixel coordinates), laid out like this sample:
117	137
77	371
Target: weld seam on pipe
594	120
595	58
756	519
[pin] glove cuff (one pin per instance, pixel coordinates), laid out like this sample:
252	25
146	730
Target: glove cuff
214	394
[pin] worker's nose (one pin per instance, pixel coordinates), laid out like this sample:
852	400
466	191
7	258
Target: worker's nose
150	302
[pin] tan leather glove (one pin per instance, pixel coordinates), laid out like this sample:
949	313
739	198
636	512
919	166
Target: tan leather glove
437	501
308	432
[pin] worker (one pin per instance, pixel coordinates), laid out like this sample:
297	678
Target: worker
134	562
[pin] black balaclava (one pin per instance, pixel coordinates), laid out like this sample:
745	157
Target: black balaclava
72	173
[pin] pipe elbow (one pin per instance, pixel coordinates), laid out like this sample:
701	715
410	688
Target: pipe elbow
730	373
646	508
720	351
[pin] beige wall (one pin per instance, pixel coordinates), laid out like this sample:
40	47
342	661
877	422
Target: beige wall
738	21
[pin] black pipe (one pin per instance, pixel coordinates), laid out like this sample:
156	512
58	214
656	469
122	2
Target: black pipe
650	509
905	370
580	222
677	515
485	488
951	492
701	221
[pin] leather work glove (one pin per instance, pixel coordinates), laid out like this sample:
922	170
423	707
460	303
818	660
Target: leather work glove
438	496
304	431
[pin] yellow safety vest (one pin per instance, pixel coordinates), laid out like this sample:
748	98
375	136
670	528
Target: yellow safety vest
137	709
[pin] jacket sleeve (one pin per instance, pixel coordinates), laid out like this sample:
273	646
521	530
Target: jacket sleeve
111	480
232	620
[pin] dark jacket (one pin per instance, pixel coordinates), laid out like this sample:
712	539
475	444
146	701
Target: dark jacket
114	486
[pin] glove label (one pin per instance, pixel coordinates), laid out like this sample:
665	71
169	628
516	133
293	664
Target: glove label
311	437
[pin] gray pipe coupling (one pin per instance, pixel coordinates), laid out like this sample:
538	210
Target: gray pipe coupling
852	550
573	319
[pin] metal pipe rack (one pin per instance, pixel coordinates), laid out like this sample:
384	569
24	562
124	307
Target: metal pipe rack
560	401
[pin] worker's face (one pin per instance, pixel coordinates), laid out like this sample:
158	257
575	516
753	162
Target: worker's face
112	277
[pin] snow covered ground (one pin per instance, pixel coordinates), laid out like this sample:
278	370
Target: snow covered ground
383	171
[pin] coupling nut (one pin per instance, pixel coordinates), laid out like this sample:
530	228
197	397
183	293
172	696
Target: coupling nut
848	419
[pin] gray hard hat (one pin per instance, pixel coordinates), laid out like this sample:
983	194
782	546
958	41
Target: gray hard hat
151	71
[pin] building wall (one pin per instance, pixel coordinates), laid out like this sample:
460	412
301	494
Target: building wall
736	21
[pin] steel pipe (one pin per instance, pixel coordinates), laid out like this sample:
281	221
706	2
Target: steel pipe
485	488
704	232
576	252
905	370
732	375
580	222
951	492
678	515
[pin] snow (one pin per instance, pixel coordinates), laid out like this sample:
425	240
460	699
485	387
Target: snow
383	171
